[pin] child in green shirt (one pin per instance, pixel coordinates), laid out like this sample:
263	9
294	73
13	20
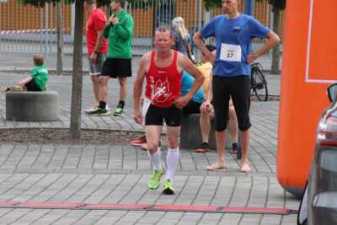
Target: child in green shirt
37	81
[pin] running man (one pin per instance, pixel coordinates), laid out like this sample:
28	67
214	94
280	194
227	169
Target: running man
162	69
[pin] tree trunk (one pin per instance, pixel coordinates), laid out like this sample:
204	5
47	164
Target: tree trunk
59	36
276	53
154	18
76	97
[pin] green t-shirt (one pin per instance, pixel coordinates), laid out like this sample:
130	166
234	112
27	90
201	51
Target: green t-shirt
120	36
40	76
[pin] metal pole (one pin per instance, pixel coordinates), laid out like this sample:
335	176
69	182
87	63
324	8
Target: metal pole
199	5
60	40
153	21
72	21
249	7
46	32
41	29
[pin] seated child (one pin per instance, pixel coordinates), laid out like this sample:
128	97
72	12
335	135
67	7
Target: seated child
37	81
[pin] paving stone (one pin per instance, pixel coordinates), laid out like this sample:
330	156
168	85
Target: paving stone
119	173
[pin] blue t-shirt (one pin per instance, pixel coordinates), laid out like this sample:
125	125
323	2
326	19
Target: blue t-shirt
186	84
233	38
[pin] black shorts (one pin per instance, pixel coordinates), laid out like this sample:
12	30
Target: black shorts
157	115
192	107
115	67
31	86
239	89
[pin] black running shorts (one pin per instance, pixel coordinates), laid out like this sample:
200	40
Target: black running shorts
157	115
192	107
31	86
117	67
238	88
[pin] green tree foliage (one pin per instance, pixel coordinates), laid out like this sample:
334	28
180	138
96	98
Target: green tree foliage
278	4
209	4
41	3
137	3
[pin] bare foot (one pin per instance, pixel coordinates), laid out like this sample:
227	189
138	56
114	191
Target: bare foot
216	166
245	168
138	141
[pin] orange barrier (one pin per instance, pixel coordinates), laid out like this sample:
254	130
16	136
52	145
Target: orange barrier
309	66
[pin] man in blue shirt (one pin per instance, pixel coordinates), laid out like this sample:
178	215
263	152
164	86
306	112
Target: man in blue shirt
233	33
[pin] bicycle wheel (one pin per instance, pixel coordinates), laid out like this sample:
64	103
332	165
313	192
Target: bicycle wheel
259	84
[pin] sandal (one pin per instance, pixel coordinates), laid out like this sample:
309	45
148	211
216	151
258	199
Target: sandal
216	166
143	146
202	148
138	141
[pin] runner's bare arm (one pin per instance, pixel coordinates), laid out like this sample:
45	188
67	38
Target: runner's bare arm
209	92
99	41
138	87
199	42
185	64
271	40
98	45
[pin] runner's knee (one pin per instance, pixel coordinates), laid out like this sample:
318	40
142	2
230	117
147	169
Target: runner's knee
122	81
172	142
244	123
152	146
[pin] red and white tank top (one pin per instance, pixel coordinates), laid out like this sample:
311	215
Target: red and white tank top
163	83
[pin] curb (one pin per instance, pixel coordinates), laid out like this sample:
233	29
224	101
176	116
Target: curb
68	71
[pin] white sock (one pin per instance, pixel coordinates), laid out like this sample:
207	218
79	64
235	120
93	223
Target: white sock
156	160
172	160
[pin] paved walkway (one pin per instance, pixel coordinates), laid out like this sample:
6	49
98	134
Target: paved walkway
36	178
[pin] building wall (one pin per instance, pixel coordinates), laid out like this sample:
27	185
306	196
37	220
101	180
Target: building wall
17	17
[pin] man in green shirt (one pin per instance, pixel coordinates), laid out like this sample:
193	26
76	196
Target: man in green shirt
119	30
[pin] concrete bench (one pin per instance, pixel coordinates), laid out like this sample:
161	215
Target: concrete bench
32	106
190	134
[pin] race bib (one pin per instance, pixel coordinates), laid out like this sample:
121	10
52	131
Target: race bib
145	108
231	53
146	105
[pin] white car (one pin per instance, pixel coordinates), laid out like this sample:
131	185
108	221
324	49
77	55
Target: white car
319	204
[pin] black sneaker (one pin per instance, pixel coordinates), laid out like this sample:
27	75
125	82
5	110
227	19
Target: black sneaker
100	112
202	148
236	149
168	188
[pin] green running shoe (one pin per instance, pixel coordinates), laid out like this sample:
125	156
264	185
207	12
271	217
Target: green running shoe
118	111
168	188
99	112
154	180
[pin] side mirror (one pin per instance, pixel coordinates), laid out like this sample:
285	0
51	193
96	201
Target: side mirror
332	92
